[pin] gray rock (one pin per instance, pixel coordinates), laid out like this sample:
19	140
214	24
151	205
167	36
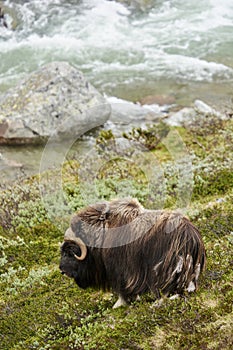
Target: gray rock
188	114
126	112
180	117
54	102
2	17
8	17
202	108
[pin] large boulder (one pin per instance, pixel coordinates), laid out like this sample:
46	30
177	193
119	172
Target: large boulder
54	102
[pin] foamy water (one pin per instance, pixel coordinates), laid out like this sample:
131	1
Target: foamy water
122	48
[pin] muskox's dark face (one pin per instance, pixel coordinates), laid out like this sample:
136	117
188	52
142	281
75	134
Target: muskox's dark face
70	266
68	263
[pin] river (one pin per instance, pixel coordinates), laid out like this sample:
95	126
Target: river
125	49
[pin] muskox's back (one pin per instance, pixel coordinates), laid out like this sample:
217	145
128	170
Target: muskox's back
132	250
165	255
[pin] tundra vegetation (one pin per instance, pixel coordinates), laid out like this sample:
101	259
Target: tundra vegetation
41	309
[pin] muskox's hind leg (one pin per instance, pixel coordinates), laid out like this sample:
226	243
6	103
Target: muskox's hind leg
120	302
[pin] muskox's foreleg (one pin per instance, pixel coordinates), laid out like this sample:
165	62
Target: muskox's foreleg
120	302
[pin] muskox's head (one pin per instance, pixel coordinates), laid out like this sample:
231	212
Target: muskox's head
74	257
77	259
91	230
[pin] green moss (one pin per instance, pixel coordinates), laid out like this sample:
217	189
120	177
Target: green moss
217	183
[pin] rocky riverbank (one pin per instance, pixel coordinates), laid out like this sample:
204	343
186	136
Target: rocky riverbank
57	103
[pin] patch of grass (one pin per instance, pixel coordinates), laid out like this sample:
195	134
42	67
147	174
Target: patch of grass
216	183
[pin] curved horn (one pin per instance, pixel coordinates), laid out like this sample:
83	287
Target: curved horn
70	236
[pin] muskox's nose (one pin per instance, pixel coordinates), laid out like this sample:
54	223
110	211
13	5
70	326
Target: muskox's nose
62	270
66	273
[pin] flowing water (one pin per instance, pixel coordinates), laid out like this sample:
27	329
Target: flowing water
125	49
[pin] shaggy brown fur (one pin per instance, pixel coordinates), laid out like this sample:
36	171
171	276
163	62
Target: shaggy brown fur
131	250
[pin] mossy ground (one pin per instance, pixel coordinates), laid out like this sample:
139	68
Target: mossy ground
41	309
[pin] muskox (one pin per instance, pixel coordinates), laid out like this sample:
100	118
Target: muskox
122	247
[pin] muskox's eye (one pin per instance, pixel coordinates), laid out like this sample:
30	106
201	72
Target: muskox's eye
67	251
70	254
